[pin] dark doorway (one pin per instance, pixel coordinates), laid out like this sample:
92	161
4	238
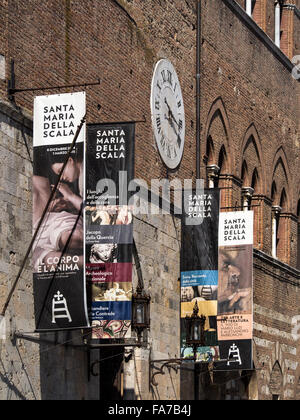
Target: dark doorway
111	373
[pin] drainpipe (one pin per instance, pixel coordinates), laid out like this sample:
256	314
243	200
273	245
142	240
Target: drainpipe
198	139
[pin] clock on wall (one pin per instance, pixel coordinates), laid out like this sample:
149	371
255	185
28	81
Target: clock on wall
167	110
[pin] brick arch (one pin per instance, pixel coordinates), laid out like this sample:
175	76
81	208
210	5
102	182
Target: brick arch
218	115
252	139
281	168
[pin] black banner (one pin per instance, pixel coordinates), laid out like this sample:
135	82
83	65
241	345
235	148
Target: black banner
199	268
58	251
109	228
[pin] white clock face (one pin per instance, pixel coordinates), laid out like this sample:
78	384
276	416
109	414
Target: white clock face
167	112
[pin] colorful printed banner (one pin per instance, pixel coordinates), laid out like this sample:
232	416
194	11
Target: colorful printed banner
58	252
235	290
199	268
109	228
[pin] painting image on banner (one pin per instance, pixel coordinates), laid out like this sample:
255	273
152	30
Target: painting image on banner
109	228
199	268
58	251
235	280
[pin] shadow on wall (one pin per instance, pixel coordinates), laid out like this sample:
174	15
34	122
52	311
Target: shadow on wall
70	373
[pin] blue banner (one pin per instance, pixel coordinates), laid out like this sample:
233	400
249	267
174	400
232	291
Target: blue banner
199	278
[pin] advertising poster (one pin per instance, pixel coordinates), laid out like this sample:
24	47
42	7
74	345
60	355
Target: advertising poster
199	269
235	290
109	228
58	252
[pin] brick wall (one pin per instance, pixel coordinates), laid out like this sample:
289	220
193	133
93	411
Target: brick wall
73	42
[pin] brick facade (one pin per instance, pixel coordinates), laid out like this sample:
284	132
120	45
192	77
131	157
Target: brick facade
249	128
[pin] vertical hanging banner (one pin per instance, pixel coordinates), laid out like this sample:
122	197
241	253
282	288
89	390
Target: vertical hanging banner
109	228
199	268
58	252
235	292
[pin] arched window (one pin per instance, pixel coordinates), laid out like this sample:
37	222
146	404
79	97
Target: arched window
210	151
249	6
248	187
275	219
223	167
282	228
222	161
212	170
278	17
255	180
245	177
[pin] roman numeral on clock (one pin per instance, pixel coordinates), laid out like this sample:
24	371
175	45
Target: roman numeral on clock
169	152
180	125
179	141
167	76
158	124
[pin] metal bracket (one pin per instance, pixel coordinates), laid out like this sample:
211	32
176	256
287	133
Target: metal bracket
167	363
11	85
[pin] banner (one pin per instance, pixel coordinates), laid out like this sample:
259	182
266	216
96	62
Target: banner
58	252
199	268
109	228
235	291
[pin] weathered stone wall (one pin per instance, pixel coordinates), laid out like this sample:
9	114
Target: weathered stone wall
158	241
19	365
276	334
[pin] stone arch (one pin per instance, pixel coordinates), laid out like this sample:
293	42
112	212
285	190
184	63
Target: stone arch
276	381
218	130
276	353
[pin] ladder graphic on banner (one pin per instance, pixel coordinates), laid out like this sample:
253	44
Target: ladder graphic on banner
60	308
234	355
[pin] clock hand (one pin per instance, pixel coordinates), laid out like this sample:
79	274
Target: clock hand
170	111
171	124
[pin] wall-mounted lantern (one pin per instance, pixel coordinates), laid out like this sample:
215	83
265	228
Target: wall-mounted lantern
140	311
195	329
